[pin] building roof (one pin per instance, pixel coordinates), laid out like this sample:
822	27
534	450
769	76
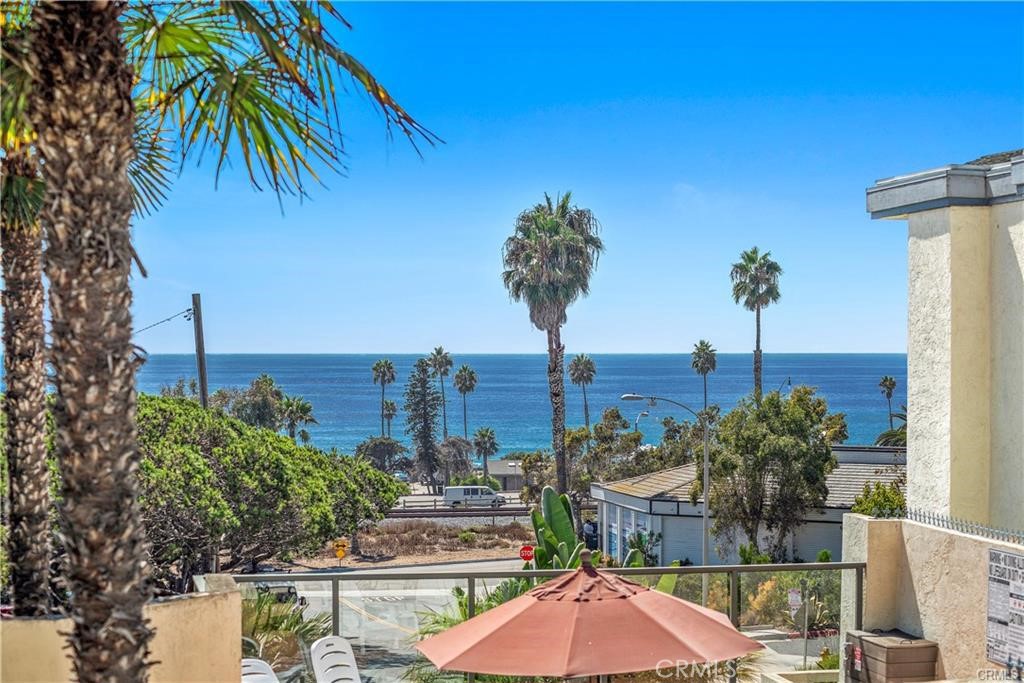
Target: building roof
503	468
845	482
997	158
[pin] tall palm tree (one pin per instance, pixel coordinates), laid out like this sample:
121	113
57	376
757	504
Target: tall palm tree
549	259
24	400
440	365
581	373
703	361
485	444
888	386
383	374
296	411
78	101
755	284
390	412
465	383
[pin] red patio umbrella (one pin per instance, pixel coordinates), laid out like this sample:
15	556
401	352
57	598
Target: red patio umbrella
587	623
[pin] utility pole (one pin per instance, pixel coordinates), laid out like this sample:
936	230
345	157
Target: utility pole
197	322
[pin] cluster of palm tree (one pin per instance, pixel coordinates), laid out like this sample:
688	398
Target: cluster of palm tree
440	363
97	100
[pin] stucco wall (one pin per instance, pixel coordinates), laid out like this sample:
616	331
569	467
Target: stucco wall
929	290
928	582
1007	469
966	362
198	640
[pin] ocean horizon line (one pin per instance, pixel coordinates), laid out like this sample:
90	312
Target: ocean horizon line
377	354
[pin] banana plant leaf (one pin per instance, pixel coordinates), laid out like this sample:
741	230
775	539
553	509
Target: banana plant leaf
557	517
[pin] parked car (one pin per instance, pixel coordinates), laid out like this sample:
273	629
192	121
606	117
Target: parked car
472	496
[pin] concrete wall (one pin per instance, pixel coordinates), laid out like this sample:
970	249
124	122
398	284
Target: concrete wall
198	640
928	582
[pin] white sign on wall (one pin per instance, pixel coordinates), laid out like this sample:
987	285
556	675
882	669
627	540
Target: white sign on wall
1005	636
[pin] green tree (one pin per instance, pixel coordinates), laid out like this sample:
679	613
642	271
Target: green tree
440	365
771	464
258	405
888	385
384	453
704	360
465	383
755	284
581	373
383	374
368	495
485	444
191	58
549	260
295	411
422	404
390	412
453	458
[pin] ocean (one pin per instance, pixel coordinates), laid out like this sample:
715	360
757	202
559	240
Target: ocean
512	397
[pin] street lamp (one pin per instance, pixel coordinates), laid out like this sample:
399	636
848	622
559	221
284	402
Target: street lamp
702	421
636	422
788	381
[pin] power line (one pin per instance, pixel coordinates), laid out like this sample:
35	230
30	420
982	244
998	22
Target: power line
187	313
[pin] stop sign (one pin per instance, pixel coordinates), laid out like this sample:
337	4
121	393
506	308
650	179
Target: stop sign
526	553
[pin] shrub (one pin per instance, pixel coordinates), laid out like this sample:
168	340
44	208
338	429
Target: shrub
884	500
467	537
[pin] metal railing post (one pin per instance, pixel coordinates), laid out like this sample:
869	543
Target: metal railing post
471	609
335	608
858	609
734	598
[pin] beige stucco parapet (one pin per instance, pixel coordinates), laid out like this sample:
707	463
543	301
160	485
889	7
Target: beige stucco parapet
198	640
929	582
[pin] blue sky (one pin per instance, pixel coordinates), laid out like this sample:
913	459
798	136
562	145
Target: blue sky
693	131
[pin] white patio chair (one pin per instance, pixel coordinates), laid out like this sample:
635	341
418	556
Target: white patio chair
333	661
257	671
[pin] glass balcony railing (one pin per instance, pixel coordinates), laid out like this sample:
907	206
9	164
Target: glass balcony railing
383	612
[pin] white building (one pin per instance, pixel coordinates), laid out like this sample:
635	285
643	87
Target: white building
660	502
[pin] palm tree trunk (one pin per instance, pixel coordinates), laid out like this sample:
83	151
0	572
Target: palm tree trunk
382	408
444	409
486	473
705	392
81	109
556	389
465	419
24	407
757	354
889	399
389	427
586	409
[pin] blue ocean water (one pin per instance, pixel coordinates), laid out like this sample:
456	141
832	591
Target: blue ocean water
512	397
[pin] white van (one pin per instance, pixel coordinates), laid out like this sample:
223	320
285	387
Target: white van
468	496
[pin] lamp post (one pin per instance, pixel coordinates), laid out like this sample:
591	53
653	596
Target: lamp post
702	421
636	422
786	382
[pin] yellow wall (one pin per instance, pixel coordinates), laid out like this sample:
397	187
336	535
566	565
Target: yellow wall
198	640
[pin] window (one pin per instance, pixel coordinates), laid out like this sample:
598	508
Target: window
466	492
